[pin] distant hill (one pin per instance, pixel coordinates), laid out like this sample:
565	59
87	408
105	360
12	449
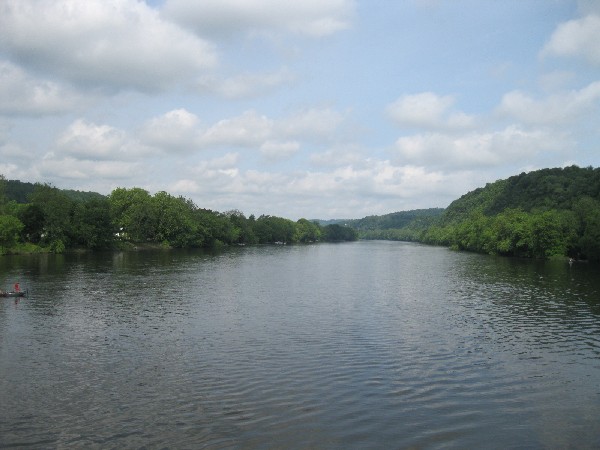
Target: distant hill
541	190
548	213
399	219
20	191
325	222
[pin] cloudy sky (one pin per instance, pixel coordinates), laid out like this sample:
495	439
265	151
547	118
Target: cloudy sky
313	108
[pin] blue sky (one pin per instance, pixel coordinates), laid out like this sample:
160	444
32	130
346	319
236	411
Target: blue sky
317	108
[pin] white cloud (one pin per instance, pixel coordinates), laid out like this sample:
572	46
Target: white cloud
229	17
478	149
333	157
9	170
12	151
311	123
246	85
22	94
207	172
227	161
373	186
254	130
553	81
247	130
176	131
428	110
76	169
556	109
276	150
87	141
576	38
114	44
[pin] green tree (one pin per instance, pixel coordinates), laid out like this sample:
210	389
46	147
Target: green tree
553	233
175	224
339	233
211	227
133	215
245	226
10	231
270	229
33	218
510	233
471	233
57	209
307	231
587	213
92	225
2	192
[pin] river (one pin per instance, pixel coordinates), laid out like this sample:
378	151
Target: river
359	345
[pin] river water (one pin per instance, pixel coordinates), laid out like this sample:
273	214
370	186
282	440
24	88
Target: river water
359	345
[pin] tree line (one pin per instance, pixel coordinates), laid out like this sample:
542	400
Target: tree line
542	214
55	220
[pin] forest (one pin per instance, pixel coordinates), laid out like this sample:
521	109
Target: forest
42	218
548	213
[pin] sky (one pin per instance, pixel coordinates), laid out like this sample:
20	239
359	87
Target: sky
319	109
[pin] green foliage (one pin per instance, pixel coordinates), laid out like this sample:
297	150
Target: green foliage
269	229
57	220
339	233
543	214
132	214
395	220
20	192
92	227
587	217
10	231
174	220
244	227
307	231
57	246
33	217
2	192
57	211
541	190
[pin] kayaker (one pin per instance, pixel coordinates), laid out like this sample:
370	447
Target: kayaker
17	288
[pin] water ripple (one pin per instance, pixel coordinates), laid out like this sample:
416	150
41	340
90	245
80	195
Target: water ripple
366	345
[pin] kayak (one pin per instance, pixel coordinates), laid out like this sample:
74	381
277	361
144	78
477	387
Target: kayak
13	294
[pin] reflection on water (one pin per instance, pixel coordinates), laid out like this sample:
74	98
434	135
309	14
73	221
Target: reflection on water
362	345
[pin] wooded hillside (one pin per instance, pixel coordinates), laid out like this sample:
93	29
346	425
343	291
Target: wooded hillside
542	214
544	189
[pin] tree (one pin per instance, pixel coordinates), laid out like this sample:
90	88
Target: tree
10	230
32	216
245	226
552	234
338	233
174	220
132	214
307	231
2	192
271	229
510	234
92	226
587	213
57	209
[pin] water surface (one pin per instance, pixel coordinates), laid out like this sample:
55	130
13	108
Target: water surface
360	345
